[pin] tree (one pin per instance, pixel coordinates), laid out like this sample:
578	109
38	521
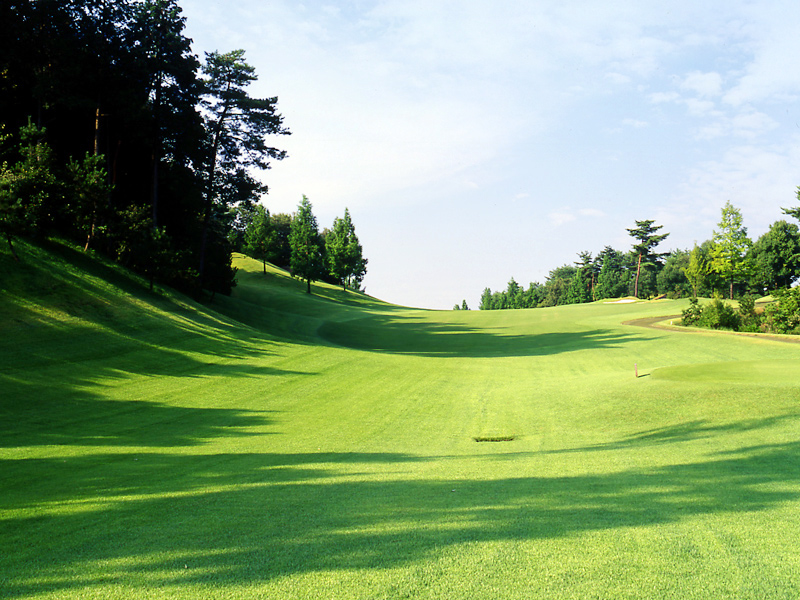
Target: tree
645	234
306	259
486	300
237	127
27	186
612	281
793	212
258	236
671	279
730	246
775	257
697	270
281	228
89	193
169	71
346	262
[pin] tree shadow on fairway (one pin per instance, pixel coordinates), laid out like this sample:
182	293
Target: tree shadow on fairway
403	334
684	432
244	519
64	403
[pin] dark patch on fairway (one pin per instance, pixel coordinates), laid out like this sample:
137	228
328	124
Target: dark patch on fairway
497	438
408	335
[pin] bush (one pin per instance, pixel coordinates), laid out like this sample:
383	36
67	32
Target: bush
717	314
749	319
784	315
692	315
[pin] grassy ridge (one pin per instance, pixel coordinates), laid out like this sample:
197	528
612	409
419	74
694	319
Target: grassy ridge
285	445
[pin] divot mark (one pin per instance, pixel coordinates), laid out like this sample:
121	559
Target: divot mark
496	438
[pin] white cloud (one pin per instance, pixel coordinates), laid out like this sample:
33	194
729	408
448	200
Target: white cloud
774	44
754	179
704	85
635	123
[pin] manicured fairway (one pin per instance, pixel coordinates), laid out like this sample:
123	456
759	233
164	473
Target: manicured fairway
290	446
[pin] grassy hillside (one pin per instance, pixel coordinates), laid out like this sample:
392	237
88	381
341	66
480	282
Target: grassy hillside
281	445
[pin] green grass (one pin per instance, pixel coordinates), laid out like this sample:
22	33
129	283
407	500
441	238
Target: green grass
280	445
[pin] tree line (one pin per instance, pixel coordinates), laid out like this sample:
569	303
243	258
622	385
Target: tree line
729	264
115	135
294	243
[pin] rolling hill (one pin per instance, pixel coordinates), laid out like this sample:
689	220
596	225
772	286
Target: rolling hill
276	444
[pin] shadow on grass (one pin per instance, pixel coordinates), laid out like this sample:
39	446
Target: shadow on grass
409	335
239	519
684	432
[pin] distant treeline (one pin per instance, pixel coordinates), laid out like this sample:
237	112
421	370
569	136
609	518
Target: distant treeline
728	264
115	135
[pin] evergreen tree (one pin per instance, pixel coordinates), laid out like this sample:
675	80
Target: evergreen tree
89	193
346	262
306	259
671	279
577	292
237	127
27	188
646	259
612	281
258	236
486	300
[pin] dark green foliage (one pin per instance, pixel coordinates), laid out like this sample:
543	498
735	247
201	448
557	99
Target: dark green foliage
237	129
88	195
718	314
577	291
784	315
281	228
749	319
28	188
514	296
304	239
671	279
258	236
613	277
647	262
691	315
346	262
117	84
775	257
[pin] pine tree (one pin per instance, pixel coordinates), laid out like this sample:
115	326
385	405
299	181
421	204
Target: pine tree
346	262
258	236
645	233
306	258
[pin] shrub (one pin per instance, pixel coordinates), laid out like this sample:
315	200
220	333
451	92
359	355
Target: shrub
717	314
749	319
784	315
692	314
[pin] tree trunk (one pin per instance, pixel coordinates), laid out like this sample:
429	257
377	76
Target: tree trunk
11	247
636	282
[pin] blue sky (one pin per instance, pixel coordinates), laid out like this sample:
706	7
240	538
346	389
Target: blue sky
475	141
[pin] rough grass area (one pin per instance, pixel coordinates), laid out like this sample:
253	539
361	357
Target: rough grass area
280	445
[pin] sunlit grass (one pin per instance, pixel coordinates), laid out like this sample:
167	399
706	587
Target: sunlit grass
294	446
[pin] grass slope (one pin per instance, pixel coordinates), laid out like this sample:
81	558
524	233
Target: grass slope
281	445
